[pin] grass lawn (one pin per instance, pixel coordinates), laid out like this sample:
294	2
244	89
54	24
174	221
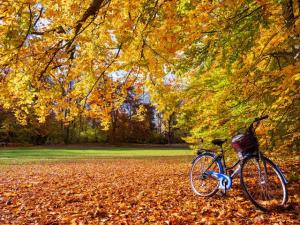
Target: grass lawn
23	155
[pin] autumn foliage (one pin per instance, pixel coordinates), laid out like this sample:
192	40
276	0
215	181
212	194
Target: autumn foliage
125	191
211	66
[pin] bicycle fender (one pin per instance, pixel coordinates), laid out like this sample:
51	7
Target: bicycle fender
284	178
279	170
211	153
281	173
202	151
194	159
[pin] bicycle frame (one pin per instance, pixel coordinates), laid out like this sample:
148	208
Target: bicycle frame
225	179
221	157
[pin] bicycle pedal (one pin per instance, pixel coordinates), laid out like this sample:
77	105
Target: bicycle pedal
221	194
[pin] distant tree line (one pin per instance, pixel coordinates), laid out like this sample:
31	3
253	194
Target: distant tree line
134	122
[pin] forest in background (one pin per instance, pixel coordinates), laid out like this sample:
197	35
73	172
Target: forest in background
67	69
127	128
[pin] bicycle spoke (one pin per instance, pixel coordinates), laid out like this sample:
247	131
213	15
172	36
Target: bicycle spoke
262	183
202	183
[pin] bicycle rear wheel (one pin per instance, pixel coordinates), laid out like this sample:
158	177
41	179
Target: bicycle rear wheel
202	183
263	183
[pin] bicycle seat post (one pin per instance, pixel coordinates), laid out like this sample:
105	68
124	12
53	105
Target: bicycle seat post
223	158
222	150
220	142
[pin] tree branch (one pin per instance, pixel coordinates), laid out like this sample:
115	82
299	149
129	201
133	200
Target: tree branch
39	16
91	11
29	28
100	76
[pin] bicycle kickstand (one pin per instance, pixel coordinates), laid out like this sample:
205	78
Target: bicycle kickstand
222	192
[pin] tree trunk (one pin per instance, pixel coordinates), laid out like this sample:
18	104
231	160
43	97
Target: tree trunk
170	129
288	13
112	135
67	135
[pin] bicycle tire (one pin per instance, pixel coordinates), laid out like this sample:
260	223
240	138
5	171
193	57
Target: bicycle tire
198	176
263	192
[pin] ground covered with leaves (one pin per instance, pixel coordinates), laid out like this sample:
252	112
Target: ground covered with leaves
124	191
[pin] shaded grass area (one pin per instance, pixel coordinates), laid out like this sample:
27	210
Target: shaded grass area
25	155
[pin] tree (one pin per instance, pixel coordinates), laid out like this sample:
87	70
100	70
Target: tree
245	64
232	59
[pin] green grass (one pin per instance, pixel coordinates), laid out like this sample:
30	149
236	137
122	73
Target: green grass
24	155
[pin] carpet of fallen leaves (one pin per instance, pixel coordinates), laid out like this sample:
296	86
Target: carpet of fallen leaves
124	191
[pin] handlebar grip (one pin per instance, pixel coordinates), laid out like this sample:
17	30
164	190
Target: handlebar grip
264	117
261	118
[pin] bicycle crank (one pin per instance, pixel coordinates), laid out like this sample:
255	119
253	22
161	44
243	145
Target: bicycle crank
225	181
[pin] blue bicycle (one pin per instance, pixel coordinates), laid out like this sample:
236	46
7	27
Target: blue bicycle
262	181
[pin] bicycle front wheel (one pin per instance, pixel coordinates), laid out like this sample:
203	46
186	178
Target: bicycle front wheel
263	183
202	183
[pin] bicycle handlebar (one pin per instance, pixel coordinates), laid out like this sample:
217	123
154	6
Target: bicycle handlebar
258	119
261	118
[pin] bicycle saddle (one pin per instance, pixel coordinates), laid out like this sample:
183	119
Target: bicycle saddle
219	142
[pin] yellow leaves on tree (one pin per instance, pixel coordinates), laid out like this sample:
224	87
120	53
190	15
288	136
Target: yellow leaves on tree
231	59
